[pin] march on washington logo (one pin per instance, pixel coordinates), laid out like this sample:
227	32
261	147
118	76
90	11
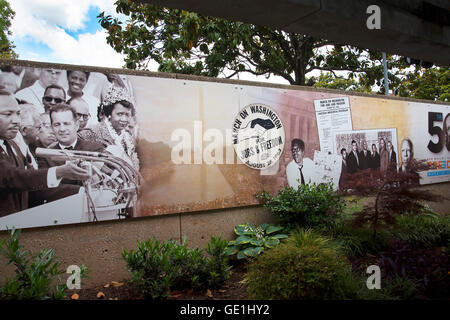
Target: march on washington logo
258	136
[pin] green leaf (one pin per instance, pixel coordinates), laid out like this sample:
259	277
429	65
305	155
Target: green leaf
280	236
272	229
244	229
257	242
240	255
242	240
252	252
271	243
230	250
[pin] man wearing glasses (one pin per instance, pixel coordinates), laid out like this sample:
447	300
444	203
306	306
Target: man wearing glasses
34	93
300	169
53	95
82	110
77	81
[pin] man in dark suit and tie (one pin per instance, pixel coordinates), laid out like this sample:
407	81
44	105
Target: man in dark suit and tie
364	157
392	157
17	179
65	126
353	159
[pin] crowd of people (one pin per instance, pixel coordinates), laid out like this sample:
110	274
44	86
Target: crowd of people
37	111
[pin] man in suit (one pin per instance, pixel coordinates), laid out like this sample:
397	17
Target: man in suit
30	125
392	157
353	159
17	179
65	126
300	169
64	120
343	179
364	157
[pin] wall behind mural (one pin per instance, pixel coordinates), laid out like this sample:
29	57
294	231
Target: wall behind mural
156	146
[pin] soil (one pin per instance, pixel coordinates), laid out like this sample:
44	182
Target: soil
234	288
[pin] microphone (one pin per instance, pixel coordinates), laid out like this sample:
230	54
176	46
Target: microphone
66	154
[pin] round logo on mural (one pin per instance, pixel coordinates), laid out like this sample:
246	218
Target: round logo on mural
258	136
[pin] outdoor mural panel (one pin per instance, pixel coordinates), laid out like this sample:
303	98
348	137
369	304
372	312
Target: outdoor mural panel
153	146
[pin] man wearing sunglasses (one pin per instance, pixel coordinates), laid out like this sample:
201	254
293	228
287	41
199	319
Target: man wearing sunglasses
34	93
53	95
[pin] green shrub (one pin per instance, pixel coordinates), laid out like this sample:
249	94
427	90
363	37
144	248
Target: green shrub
310	205
306	266
37	277
357	241
217	267
311	238
424	230
159	267
251	240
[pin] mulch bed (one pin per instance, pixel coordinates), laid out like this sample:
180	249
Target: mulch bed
234	288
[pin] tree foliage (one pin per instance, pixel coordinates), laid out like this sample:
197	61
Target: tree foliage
185	42
432	84
327	80
6	46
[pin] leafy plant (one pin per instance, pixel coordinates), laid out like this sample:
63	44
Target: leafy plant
424	230
218	263
6	46
310	205
159	267
356	241
251	240
35	276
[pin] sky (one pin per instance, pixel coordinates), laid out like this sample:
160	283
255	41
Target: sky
63	31
68	31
